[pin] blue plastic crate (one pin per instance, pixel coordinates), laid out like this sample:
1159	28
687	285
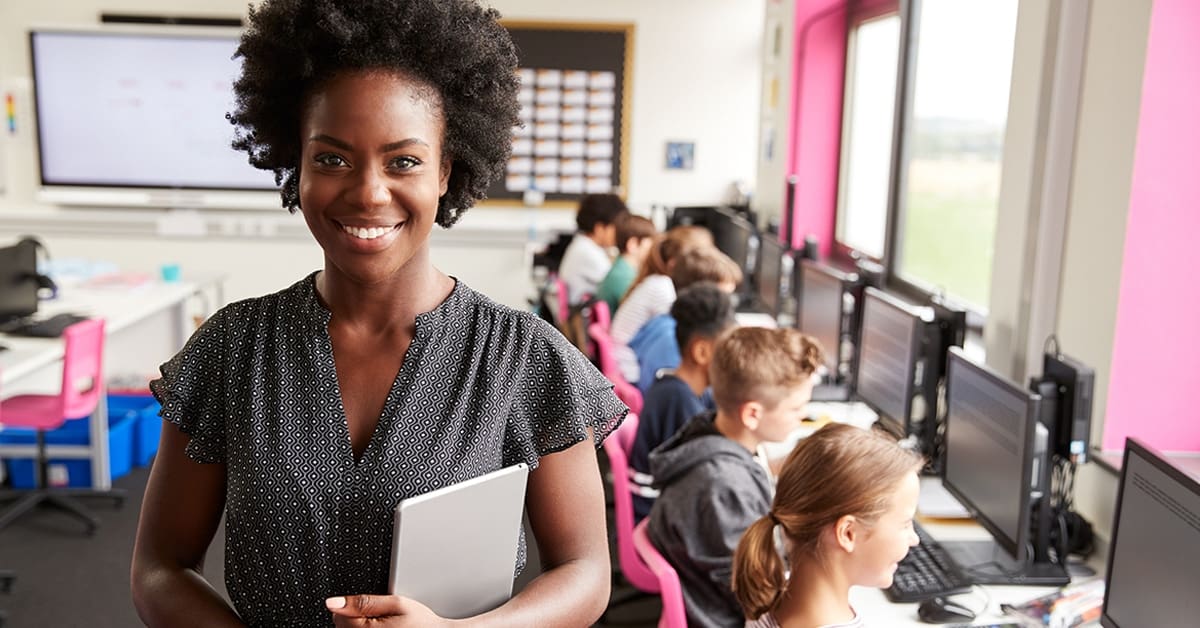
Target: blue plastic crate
22	471
149	426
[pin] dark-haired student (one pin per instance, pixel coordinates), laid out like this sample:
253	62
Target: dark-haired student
701	313
636	235
712	485
586	260
306	415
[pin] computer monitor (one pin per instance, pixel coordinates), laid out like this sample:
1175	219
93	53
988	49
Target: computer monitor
1153	573
104	94
994	457
889	351
821	312
736	237
1075	382
18	281
696	215
770	281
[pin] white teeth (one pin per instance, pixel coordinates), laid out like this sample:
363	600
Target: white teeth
366	233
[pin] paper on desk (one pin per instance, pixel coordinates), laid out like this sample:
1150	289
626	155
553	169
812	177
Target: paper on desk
936	502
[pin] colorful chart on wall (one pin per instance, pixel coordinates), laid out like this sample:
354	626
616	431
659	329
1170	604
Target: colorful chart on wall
574	97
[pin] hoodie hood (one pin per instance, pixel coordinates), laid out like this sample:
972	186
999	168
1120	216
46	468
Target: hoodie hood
697	442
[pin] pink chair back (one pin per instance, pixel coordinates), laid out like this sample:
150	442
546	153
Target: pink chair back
82	364
617	447
601	315
564	302
673	613
626	392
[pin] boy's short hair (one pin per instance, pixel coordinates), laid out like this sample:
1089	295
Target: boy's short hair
761	364
704	263
598	209
702	310
632	227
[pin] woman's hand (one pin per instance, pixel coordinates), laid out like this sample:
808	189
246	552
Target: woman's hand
381	610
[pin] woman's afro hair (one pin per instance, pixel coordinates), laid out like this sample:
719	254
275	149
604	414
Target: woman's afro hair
456	46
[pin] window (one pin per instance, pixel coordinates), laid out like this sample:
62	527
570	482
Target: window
866	158
953	141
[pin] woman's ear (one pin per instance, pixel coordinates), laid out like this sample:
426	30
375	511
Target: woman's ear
444	176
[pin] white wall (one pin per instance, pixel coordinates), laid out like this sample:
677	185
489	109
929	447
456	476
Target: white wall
696	77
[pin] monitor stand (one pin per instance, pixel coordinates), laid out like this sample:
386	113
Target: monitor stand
985	562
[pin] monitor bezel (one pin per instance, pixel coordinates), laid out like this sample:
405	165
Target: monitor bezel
772	242
1135	446
843	279
903	423
137	193
726	218
1017	548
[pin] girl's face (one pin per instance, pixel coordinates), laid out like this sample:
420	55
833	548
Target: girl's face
885	543
371	172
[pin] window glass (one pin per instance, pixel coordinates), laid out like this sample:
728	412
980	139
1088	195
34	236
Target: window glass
954	137
868	115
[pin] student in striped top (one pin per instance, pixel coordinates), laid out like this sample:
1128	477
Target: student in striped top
844	504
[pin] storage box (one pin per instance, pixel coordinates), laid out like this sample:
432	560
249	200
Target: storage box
75	472
148	428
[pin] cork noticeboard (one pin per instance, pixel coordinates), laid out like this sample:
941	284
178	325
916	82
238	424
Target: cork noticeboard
575	81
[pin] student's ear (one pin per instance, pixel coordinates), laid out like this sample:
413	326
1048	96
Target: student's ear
701	350
751	413
846	532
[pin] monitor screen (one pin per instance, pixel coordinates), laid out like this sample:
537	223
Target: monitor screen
1154	555
888	352
139	108
821	310
735	237
770	273
990	428
18	284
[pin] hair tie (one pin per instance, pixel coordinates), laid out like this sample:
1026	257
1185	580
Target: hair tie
771	514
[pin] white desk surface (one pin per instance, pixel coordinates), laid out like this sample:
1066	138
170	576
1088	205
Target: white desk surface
121	307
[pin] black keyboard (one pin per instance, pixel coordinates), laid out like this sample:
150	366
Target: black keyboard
928	571
51	327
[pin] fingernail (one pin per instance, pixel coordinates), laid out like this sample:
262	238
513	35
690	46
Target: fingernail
335	602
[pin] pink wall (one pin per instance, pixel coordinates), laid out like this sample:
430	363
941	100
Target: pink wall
1154	392
816	119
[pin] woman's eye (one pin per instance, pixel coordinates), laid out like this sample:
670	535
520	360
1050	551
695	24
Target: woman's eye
404	163
329	159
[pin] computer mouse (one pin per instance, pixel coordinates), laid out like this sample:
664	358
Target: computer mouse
943	610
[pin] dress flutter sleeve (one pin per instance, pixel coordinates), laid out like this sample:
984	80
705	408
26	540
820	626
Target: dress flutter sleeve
191	389
560	396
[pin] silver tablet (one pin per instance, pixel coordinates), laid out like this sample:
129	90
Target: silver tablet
455	549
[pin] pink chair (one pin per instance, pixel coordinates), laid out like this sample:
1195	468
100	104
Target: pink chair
79	396
601	315
617	446
673	613
626	392
562	300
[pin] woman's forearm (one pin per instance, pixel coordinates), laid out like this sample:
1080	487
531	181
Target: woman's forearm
180	597
574	593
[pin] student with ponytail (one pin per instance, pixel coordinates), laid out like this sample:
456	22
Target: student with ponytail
843	506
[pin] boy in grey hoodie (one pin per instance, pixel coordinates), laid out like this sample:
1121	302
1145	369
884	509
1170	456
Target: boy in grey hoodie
712	486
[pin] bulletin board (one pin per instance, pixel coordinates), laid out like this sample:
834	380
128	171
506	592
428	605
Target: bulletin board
575	96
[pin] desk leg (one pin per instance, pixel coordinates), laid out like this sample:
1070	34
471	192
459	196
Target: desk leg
101	472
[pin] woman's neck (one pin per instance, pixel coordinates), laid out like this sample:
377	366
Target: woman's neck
415	289
694	375
817	595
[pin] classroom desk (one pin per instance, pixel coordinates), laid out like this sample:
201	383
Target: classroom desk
144	326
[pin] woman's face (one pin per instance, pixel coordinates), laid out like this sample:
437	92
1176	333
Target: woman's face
371	172
887	541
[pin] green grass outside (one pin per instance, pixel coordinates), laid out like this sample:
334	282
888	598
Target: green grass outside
950	226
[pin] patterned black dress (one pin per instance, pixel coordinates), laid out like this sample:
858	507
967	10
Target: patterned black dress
482	386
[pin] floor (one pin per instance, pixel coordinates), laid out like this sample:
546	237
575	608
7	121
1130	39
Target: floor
66	579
